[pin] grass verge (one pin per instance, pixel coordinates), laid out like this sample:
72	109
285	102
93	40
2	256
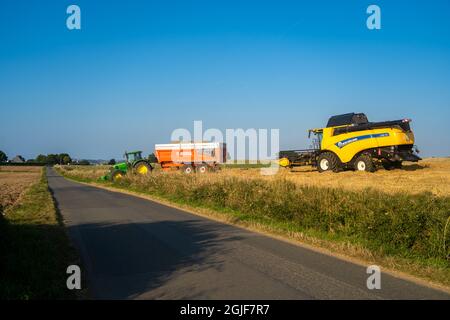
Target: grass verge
34	248
401	232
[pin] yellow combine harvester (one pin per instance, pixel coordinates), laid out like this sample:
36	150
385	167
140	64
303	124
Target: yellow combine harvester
351	141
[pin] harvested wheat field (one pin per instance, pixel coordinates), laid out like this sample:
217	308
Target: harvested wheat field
14	181
430	175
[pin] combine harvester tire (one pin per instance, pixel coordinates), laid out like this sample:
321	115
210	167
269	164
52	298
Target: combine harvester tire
364	162
327	161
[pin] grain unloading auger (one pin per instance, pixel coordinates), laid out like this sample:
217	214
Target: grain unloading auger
351	141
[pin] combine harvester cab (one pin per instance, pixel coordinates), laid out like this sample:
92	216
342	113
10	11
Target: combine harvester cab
351	141
191	156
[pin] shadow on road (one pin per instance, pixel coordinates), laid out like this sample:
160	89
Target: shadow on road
126	260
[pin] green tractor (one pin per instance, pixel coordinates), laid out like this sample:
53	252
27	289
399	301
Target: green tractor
134	162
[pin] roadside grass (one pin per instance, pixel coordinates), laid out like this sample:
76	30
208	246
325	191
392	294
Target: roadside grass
34	248
403	232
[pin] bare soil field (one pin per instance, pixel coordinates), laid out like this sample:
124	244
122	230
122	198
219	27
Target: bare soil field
14	181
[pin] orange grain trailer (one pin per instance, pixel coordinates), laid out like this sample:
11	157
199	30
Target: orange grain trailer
191	156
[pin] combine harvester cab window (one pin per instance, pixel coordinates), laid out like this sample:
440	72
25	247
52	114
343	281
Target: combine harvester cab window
317	140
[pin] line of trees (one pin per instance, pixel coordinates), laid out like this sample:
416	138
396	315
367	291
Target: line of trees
49	159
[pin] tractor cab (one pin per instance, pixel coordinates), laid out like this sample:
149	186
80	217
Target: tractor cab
133	156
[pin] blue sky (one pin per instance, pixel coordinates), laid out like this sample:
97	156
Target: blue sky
139	69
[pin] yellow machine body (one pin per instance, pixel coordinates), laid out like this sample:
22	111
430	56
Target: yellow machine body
347	145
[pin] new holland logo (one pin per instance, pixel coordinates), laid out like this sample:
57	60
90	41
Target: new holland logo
345	142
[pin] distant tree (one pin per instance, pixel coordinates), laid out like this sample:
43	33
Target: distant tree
41	158
64	158
112	162
67	159
3	156
52	159
152	158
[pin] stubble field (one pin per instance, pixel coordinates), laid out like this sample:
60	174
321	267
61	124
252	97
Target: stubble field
14	181
431	175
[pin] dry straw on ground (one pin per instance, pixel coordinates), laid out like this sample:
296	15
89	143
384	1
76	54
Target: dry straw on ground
14	181
430	175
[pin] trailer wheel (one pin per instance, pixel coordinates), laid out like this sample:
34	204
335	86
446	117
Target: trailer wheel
187	168
364	163
202	168
327	161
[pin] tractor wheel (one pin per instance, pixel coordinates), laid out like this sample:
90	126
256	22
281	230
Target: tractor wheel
187	168
327	161
202	168
117	175
364	163
142	168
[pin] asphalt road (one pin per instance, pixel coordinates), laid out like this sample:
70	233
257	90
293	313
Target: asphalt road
133	248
